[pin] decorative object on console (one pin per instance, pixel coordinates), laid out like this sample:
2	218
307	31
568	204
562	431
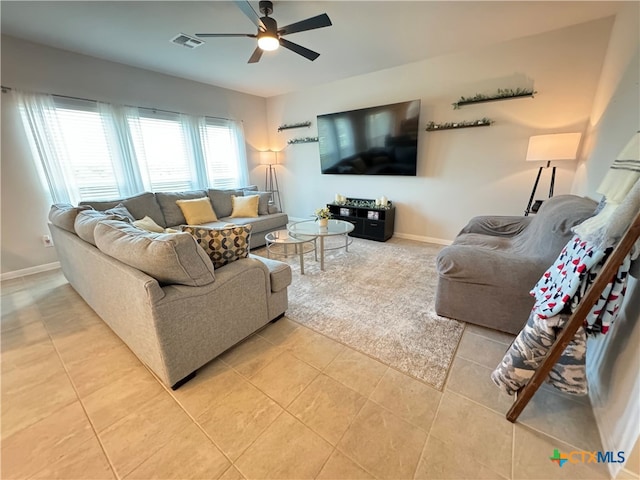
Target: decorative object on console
340	199
483	122
371	219
302	140
548	148
270	159
501	94
294	125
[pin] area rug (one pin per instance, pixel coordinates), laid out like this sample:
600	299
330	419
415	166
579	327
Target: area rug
378	298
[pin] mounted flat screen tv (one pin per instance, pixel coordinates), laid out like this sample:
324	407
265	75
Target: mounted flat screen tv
370	141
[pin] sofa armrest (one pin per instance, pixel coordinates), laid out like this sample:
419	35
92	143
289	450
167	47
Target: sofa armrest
496	225
279	272
506	270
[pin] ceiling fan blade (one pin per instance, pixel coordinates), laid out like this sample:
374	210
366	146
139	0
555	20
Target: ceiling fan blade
255	56
248	10
299	49
211	35
312	23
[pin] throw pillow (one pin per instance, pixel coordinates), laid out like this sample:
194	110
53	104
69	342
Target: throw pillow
246	207
224	245
122	212
148	224
263	203
197	210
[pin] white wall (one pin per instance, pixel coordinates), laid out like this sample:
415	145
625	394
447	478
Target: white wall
613	360
33	67
461	173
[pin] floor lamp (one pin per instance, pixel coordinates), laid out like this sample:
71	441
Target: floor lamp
270	159
549	148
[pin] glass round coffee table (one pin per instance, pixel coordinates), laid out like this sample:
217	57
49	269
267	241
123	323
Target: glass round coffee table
282	238
313	228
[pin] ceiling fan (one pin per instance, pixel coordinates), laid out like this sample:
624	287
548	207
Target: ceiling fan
269	35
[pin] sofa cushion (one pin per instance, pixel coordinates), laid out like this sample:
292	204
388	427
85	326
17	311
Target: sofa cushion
197	210
169	258
172	214
263	223
223	245
221	200
86	221
64	215
140	206
245	207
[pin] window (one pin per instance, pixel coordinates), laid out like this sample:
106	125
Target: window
84	152
97	151
162	154
219	148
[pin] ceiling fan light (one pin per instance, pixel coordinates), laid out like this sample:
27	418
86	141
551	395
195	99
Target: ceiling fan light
268	43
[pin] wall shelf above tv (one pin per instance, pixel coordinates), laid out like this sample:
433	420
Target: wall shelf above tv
302	140
434	127
294	125
506	94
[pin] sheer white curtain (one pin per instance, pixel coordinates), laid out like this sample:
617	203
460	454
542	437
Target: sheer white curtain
116	121
237	136
100	151
191	127
38	111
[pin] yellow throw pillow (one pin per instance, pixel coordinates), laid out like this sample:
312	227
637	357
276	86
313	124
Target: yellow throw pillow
197	211
148	224
246	207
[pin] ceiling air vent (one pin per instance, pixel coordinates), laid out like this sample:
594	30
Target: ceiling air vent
186	41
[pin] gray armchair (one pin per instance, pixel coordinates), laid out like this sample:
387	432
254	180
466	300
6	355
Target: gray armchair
486	274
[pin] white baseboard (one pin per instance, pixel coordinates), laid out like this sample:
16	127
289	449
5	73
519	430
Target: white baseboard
420	238
29	271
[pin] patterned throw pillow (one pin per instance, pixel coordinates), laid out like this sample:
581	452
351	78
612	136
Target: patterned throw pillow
223	245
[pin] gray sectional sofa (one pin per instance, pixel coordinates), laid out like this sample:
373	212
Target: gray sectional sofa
162	208
160	292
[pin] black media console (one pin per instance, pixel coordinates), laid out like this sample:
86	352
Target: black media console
370	221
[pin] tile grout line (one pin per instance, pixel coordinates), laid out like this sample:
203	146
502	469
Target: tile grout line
513	451
424	447
367	399
73	385
486	408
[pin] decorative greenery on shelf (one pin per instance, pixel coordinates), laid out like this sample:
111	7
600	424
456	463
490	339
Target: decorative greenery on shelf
501	94
303	140
484	122
293	125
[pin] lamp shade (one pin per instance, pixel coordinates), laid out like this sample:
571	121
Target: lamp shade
268	157
556	146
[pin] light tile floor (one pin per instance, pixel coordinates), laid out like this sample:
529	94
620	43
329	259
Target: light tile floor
286	403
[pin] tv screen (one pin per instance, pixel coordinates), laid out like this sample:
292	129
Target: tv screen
370	141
